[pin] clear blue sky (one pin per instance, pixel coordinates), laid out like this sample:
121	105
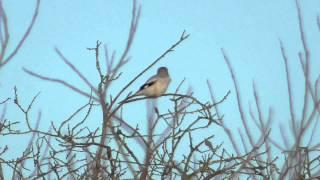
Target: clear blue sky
248	30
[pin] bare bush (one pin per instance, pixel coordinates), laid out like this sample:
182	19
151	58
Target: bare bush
72	150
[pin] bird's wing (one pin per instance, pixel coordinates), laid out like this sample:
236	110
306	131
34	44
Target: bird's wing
149	83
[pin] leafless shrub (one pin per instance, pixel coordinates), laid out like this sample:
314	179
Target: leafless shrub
72	150
301	150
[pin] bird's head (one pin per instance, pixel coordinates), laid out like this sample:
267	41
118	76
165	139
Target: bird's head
163	72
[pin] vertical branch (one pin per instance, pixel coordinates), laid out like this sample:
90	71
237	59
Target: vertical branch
151	105
227	130
98	67
3	113
289	89
4	26
243	140
314	130
265	127
239	100
310	88
31	141
106	110
1	172
124	57
307	62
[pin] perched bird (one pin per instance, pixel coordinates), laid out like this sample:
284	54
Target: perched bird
156	85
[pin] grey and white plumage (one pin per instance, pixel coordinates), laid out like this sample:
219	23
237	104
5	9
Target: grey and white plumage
155	85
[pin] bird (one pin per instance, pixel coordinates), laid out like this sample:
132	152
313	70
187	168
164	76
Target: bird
156	85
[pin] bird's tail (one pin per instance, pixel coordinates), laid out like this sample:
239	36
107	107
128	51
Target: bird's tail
138	93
